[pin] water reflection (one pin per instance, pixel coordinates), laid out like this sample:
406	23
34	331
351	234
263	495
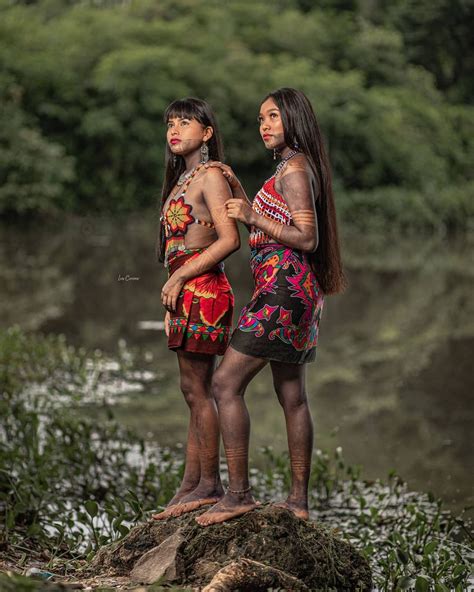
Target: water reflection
392	382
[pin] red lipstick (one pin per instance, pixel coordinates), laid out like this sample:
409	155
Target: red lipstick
175	141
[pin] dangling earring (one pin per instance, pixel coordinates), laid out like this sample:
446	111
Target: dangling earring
296	146
204	153
173	160
276	154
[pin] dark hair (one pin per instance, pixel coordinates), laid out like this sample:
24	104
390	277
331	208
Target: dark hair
301	127
201	111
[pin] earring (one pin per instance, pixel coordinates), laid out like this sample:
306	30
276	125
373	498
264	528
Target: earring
204	153
276	154
296	146
173	160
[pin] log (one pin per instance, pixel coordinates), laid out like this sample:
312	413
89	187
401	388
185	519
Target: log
245	574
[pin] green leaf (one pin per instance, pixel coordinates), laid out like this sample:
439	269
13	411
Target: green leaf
91	508
458	570
123	529
441	588
402	556
429	548
405	583
422	584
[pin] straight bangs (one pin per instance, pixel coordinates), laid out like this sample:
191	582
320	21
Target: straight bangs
185	109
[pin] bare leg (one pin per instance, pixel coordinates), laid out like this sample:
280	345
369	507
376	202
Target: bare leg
289	382
228	387
201	482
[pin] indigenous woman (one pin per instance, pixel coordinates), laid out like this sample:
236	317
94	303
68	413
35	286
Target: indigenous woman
295	262
195	236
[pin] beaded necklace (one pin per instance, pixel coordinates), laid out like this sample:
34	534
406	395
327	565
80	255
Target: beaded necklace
282	163
286	159
177	217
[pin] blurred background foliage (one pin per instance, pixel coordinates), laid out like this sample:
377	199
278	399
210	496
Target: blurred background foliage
83	87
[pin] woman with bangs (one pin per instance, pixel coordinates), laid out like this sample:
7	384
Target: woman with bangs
295	261
196	234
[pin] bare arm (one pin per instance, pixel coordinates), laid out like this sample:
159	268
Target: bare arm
295	184
216	192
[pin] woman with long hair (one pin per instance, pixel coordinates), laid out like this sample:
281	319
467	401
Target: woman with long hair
195	236
295	260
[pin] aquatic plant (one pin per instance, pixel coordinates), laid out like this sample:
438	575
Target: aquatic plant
69	484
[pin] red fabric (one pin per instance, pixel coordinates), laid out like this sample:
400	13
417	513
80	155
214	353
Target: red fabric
202	322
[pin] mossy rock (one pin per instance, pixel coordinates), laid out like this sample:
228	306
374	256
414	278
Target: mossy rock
268	547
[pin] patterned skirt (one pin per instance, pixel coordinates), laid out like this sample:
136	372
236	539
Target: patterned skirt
202	322
281	322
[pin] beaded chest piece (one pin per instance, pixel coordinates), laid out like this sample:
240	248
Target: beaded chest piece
177	218
269	203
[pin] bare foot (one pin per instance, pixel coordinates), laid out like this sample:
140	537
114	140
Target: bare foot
201	496
300	510
178	496
230	506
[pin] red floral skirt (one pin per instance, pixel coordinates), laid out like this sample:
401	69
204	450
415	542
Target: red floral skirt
202	322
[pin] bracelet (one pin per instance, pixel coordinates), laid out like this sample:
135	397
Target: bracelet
239	490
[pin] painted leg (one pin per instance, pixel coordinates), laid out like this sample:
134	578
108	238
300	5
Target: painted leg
289	382
196	375
228	386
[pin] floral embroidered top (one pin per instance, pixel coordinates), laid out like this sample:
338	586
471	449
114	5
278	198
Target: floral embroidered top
269	203
176	219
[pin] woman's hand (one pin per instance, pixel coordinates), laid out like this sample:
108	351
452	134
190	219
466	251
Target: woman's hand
234	183
240	210
171	291
167	323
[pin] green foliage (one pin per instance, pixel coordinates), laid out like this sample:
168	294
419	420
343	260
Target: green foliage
91	82
70	485
34	171
438	35
386	209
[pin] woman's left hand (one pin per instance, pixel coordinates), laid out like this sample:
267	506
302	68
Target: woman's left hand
170	292
240	210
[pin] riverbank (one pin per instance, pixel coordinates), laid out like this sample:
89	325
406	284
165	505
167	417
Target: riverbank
71	485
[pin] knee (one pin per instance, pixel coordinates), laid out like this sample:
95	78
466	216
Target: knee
191	391
220	387
291	401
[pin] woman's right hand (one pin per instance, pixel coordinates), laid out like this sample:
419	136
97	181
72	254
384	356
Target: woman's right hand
167	324
230	176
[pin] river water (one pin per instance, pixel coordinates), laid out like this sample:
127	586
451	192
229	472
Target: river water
393	379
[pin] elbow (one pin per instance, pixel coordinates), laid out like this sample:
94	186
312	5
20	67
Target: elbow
234	244
310	245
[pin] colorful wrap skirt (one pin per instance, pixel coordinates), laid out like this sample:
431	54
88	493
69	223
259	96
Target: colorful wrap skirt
281	322
202	322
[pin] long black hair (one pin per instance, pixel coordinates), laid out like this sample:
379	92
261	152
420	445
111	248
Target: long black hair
190	108
301	130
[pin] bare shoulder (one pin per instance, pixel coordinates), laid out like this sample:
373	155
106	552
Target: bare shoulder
212	175
298	163
212	172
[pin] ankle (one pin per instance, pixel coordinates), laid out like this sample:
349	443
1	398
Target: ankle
299	500
187	486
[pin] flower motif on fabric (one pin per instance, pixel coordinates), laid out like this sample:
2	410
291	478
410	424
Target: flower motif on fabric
251	322
214	295
178	216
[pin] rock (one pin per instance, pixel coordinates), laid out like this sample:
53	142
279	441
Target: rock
159	562
40	574
268	544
